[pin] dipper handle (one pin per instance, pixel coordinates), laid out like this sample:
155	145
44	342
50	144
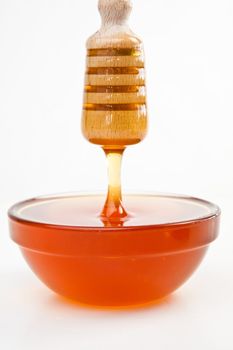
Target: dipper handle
114	12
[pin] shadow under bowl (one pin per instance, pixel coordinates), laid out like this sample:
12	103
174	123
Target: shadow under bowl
71	250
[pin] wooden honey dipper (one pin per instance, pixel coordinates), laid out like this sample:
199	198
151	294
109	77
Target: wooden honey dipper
114	110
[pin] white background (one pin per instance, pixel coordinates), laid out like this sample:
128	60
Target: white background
189	149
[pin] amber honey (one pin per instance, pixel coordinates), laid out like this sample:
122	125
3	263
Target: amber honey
68	246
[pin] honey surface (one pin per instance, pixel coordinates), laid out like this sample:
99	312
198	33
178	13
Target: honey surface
84	210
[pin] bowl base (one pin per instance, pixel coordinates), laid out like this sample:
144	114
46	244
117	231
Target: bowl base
111	282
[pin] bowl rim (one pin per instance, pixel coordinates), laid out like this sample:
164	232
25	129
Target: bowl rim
12	212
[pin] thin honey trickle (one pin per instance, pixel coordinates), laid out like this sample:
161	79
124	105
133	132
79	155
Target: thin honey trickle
113	211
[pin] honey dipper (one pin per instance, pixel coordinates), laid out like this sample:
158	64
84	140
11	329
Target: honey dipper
114	110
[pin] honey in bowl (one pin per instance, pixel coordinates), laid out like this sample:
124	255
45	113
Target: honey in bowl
115	250
78	256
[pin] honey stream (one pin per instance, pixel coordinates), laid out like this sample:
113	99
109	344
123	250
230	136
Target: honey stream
113	212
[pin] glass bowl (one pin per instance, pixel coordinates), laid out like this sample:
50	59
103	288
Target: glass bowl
146	258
